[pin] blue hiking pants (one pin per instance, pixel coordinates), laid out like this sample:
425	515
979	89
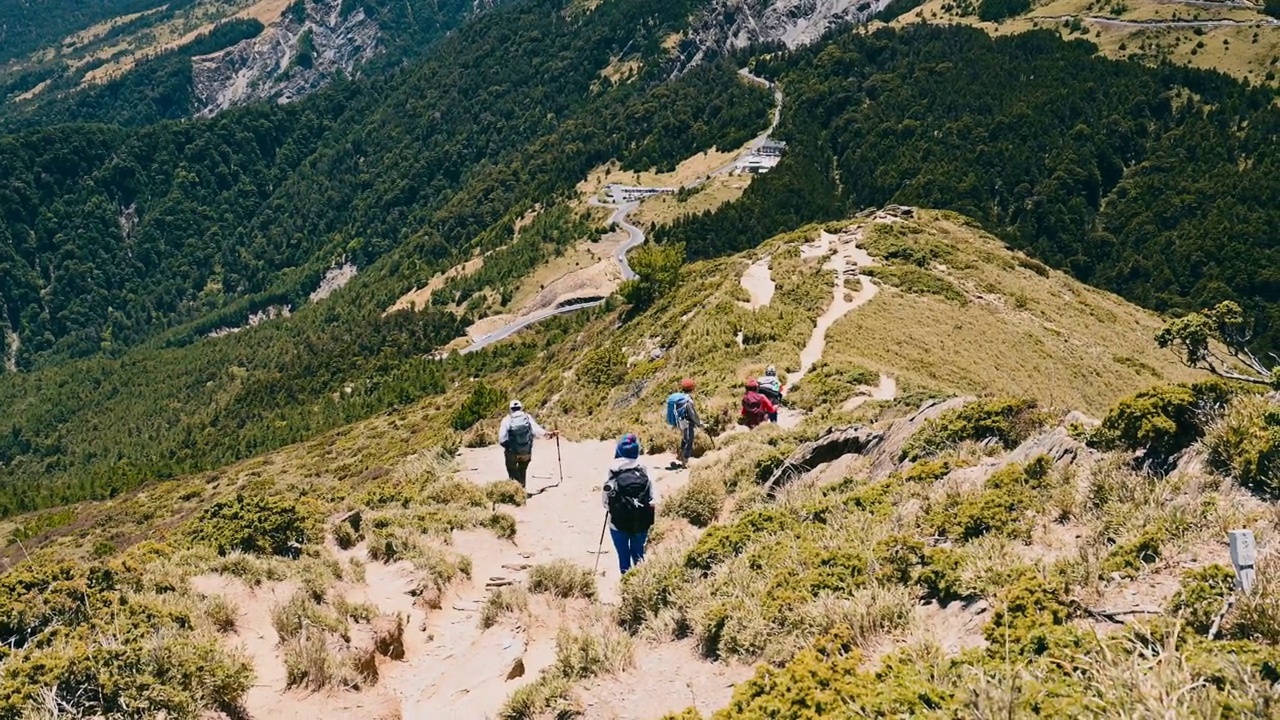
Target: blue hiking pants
630	547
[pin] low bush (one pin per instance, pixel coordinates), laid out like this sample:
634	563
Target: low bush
828	385
917	281
1201	596
562	578
580	654
1132	557
1244	443
299	612
941	577
1006	421
1162	421
699	502
222	613
1003	507
501	524
503	601
721	542
253	524
602	367
506	492
313	662
72	633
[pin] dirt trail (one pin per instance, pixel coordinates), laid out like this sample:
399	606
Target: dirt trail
886	390
846	252
758	281
561	522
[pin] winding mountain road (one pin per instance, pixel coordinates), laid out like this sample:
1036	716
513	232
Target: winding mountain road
635	236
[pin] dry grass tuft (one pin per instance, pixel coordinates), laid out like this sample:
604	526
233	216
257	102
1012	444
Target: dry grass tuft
563	579
503	601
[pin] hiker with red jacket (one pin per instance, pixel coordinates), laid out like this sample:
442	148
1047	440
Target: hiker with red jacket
756	408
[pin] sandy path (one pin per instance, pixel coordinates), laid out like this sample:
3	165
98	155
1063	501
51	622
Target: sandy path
758	281
661	683
886	390
846	252
563	522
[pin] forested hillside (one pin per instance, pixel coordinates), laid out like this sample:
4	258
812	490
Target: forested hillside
1157	183
163	234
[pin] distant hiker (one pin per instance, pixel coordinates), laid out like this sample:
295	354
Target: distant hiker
516	438
756	408
682	415
630	496
771	387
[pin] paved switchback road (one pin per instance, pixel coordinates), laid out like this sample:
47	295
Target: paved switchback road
635	236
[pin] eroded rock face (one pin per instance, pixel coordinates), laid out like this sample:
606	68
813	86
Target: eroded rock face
732	24
289	60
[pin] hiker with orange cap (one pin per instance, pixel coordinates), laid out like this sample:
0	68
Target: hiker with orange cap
682	415
756	408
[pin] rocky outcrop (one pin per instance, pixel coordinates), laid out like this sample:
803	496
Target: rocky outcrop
881	448
731	24
834	444
292	58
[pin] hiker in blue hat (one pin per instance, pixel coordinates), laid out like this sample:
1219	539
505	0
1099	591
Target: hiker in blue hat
630	496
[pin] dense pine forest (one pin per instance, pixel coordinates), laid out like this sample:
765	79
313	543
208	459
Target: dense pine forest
1156	183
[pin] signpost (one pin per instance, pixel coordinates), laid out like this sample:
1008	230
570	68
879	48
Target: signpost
1244	552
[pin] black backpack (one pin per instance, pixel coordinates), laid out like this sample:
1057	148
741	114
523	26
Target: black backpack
630	500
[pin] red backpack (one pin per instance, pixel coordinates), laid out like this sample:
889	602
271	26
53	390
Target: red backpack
753	409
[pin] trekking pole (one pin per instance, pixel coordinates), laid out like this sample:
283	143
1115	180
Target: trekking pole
559	462
600	546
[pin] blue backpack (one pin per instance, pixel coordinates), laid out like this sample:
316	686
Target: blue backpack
676	404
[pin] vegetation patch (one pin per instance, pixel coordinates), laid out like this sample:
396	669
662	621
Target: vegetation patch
918	281
829	385
253	524
699	501
1244	442
562	578
1004	421
1163	421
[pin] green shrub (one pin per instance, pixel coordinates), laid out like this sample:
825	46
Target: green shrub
1031	619
1132	557
222	614
721	542
1201	596
548	696
826	680
689	713
345	537
941	577
1244	443
301	611
252	524
562	579
827	385
482	402
917	281
71	630
501	524
1007	421
506	492
602	367
927	471
699	502
974	514
1162	421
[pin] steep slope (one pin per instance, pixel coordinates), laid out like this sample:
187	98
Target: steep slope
378	572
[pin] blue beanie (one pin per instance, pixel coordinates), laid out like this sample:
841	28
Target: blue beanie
628	447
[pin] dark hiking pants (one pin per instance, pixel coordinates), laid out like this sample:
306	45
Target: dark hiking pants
517	466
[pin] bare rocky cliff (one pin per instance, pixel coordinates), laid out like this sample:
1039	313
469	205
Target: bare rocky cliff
292	58
731	24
